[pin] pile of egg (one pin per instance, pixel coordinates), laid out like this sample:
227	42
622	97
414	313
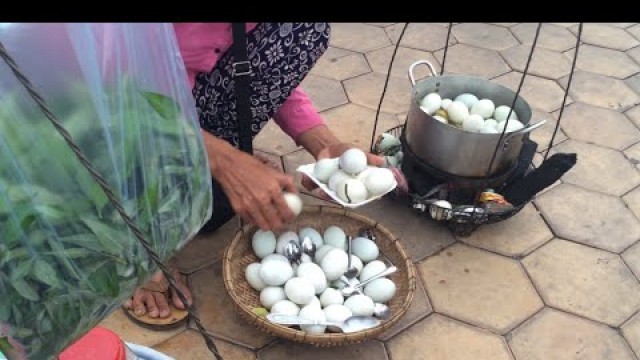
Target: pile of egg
312	289
469	113
352	180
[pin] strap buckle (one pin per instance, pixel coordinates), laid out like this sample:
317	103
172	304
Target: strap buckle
241	68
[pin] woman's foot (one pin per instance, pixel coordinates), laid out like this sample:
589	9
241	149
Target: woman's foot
155	298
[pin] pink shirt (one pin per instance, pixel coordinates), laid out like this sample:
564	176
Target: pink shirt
202	44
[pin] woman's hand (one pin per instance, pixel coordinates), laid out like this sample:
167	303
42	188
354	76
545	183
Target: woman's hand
255	190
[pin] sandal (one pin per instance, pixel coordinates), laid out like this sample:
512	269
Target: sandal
177	318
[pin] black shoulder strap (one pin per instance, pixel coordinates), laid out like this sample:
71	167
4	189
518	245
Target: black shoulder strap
242	76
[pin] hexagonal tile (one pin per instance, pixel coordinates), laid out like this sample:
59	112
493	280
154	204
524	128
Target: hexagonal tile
634	115
366	90
545	63
469	60
382	25
190	345
479	287
129	331
273	140
635	31
516	236
554	335
325	93
552	37
634	53
600	91
633	155
600	169
540	93
631	331
419	235
584	281
217	311
341	64
441	338
354	124
577	214
564	25
599	126
606	36
379	61
484	36
604	61
280	350
632	258
358	37
420	307
618	25
205	249
421	36
633	82
543	134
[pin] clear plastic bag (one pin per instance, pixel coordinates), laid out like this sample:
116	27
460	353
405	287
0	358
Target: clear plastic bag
67	259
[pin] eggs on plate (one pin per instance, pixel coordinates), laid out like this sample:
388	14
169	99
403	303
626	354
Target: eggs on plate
350	179
312	288
468	112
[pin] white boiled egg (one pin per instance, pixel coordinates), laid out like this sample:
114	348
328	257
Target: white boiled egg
285	307
313	313
299	290
473	123
360	305
270	295
512	125
263	243
379	181
321	252
276	257
335	179
380	290
458	112
445	103
331	296
484	108
352	191
365	249
353	161
467	99
294	202
275	273
324	168
252	273
373	268
334	264
501	113
431	103
336	237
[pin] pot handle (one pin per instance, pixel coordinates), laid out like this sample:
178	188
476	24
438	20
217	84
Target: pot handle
420	62
524	130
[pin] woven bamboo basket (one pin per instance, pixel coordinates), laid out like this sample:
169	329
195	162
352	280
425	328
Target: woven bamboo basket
239	254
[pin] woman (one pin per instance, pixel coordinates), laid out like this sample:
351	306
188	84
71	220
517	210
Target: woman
281	55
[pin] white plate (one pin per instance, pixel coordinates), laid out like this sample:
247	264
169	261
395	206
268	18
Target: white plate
308	170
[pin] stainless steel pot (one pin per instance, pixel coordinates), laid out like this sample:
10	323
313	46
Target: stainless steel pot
454	150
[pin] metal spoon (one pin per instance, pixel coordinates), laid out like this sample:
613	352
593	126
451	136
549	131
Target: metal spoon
349	325
308	247
350	289
292	251
381	311
352	271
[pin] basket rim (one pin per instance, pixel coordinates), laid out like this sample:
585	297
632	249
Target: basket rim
326	339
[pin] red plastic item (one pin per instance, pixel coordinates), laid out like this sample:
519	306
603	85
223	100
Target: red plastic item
97	344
